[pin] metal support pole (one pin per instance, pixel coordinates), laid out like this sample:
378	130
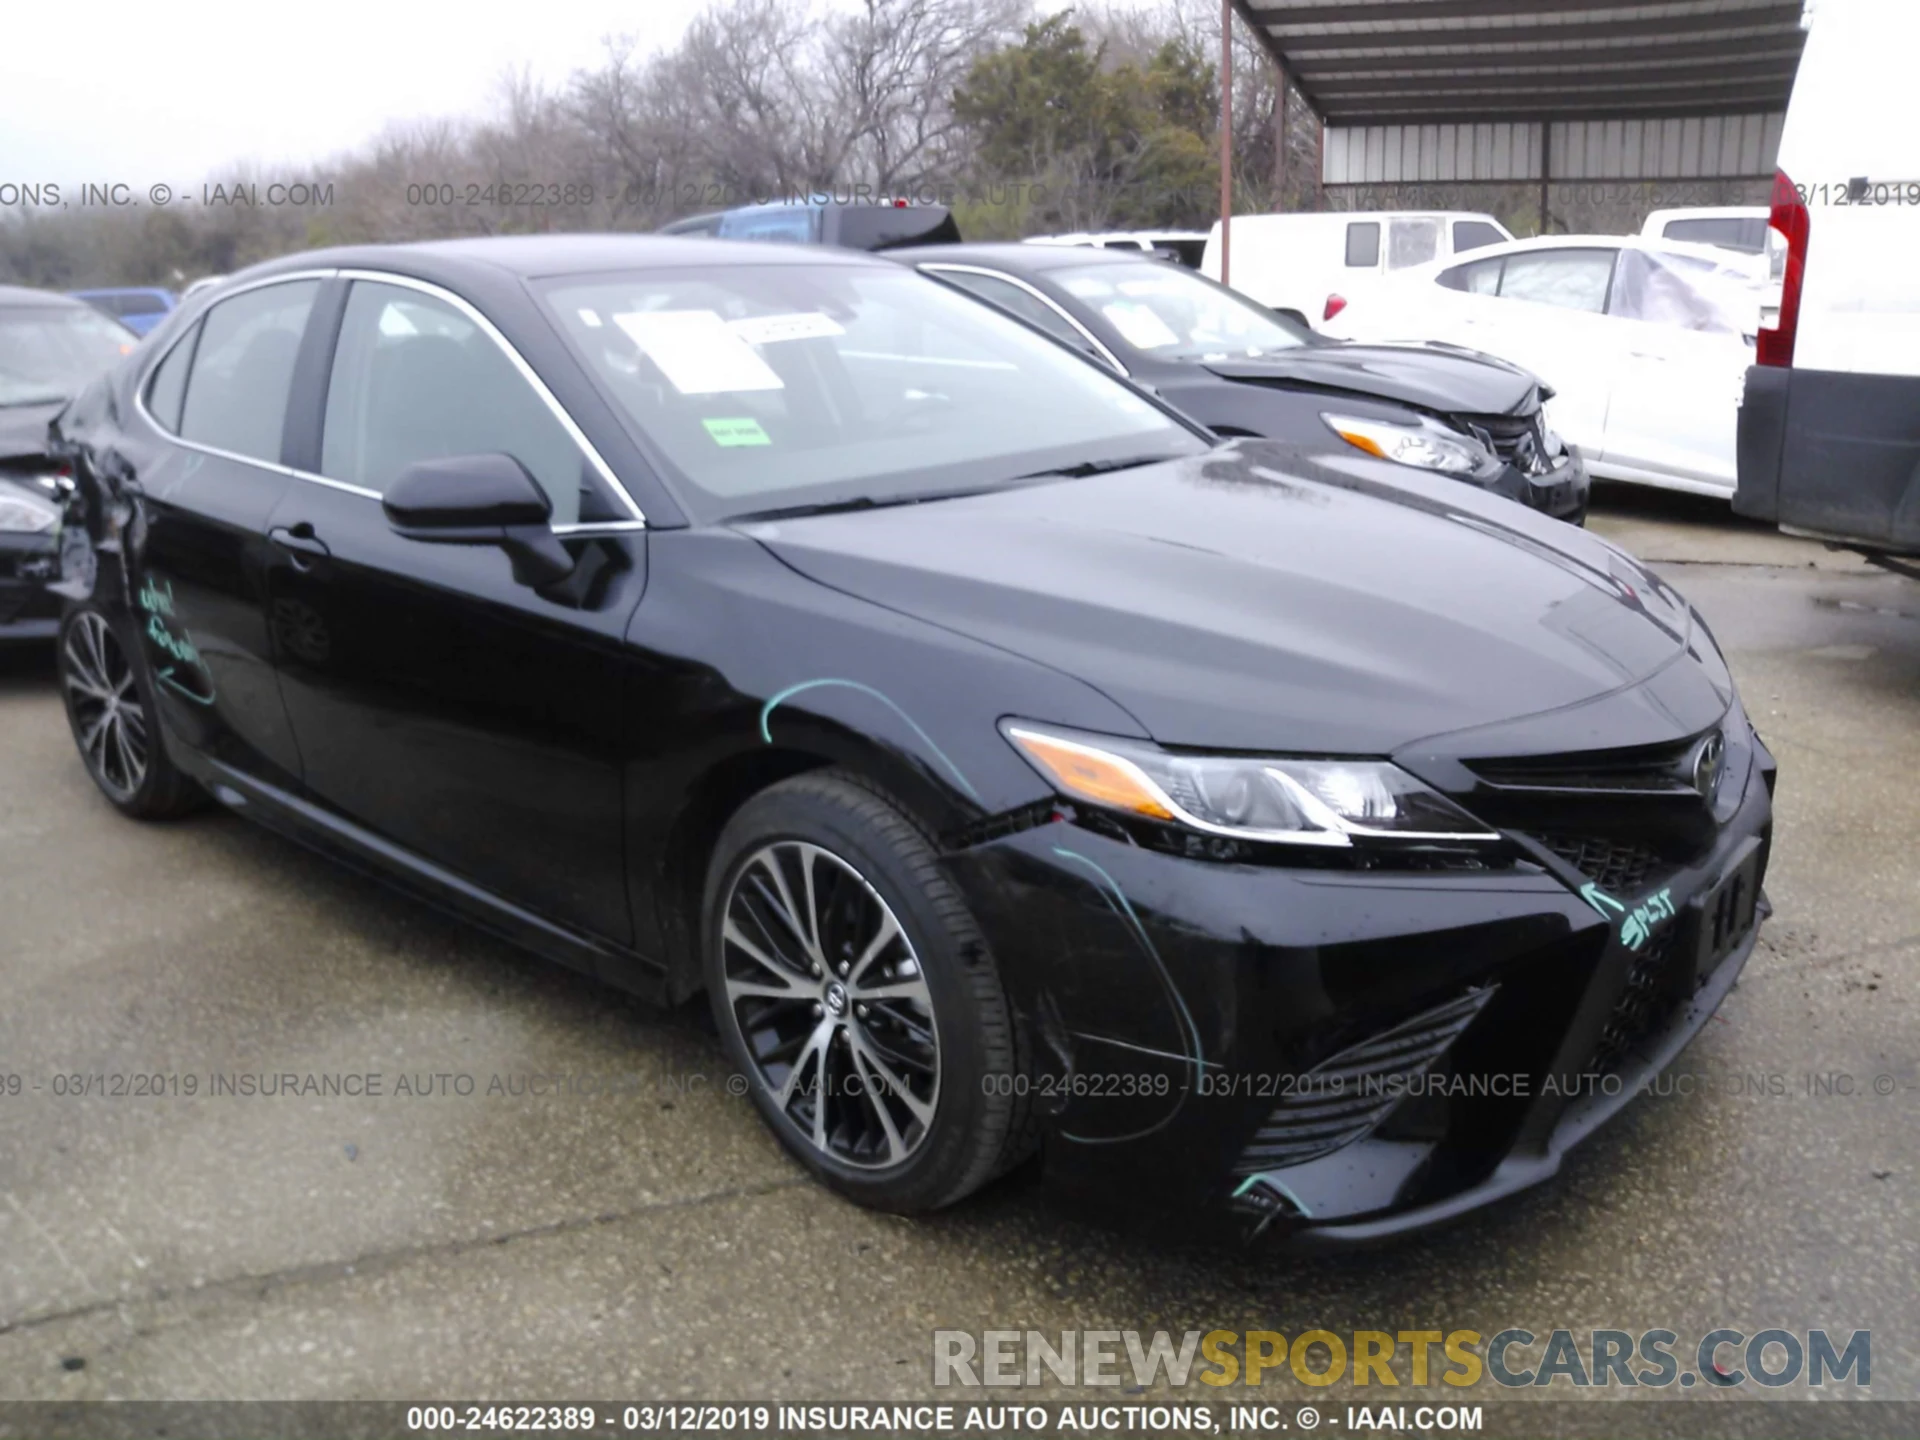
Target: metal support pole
1226	138
1546	173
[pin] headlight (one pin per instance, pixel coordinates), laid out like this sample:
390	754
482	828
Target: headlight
26	513
1292	802
1425	445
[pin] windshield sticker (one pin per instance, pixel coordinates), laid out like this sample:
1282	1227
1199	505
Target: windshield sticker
1138	325
590	318
770	329
697	352
743	430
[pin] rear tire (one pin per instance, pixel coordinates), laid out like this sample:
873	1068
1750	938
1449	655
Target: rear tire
115	723
853	989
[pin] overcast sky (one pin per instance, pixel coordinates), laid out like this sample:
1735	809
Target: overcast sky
139	93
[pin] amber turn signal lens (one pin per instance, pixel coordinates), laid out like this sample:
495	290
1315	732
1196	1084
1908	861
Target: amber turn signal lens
1092	775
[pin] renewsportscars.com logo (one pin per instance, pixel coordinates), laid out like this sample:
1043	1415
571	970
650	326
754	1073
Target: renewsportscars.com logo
1512	1358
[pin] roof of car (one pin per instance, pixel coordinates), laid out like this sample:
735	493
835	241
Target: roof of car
1017	255
533	256
22	295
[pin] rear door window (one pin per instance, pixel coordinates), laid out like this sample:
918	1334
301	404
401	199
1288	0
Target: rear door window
242	370
1568	279
1363	244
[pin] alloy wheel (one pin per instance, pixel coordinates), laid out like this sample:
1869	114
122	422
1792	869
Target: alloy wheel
832	1003
109	720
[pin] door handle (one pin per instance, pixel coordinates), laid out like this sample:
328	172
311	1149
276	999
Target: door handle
300	543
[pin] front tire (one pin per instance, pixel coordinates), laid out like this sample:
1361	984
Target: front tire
115	723
853	989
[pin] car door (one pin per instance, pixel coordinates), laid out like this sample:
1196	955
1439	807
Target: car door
197	554
1676	398
1545	310
455	712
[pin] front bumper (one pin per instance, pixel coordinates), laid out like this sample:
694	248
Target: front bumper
1185	1017
28	610
1561	492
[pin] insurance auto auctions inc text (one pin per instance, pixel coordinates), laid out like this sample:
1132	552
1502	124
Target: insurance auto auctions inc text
1725	1358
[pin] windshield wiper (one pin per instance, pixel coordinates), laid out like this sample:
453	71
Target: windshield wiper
1099	467
858	502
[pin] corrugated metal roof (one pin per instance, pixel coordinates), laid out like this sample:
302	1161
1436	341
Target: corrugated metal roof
1409	62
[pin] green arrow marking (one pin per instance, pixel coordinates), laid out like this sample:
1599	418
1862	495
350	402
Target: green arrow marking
1599	899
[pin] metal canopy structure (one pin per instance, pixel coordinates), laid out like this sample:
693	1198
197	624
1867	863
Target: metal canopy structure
1424	62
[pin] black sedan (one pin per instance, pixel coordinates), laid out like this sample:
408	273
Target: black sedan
50	346
1241	369
1303	842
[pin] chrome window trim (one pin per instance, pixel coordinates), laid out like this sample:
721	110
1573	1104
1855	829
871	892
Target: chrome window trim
527	372
605	471
939	267
159	358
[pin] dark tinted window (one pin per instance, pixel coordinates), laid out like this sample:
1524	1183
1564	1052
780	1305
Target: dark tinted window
884	227
136	304
243	369
1730	232
168	387
1028	307
1363	243
415	379
1472	234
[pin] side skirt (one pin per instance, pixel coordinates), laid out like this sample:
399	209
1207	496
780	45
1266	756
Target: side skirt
339	839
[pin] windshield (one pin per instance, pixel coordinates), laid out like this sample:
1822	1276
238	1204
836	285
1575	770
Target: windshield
1176	314
770	387
47	352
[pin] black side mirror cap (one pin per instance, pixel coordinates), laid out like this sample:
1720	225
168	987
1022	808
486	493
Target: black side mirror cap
480	500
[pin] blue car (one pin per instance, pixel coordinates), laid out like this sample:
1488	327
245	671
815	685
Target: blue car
139	308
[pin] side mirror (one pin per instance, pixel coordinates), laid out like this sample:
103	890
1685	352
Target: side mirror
480	500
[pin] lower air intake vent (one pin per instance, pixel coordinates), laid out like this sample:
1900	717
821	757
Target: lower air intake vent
1617	865
1644	1005
1344	1097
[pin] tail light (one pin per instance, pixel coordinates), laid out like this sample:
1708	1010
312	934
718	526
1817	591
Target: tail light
1335	304
1790	217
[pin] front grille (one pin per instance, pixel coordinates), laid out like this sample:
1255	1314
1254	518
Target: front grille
1644	1006
1520	440
13	599
1347	1095
1641	770
1620	866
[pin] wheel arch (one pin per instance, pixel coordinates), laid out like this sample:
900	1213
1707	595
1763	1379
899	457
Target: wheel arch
731	781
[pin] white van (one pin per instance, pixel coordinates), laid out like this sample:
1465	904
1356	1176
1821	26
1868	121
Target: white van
1731	227
1830	423
1309	265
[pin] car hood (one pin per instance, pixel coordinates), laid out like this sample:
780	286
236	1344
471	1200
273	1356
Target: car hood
23	429
1434	377
1264	598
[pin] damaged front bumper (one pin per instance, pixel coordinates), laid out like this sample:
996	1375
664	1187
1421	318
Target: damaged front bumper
1338	1056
